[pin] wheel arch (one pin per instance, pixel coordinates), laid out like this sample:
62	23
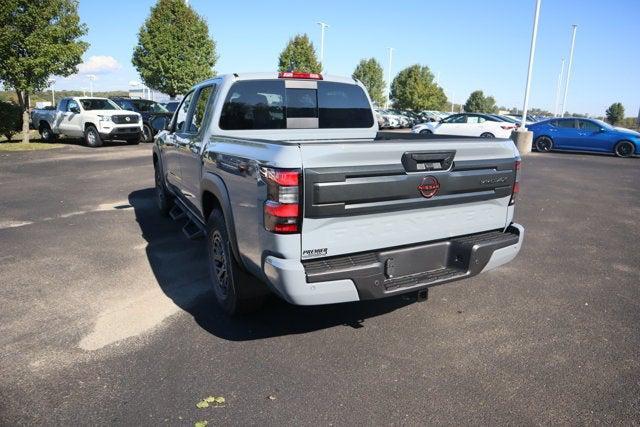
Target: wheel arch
216	196
620	141
87	124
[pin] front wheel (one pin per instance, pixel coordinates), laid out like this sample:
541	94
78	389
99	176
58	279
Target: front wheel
624	149
147	133
92	137
235	290
425	132
544	144
487	135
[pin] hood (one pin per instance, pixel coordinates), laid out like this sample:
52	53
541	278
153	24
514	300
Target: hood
627	131
113	112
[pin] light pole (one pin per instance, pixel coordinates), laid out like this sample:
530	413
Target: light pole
532	52
53	91
555	105
389	76
566	85
453	95
91	78
322	28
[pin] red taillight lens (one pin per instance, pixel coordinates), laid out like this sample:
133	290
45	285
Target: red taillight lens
282	210
516	183
507	127
297	75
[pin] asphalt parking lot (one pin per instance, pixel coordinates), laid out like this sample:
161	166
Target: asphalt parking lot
106	316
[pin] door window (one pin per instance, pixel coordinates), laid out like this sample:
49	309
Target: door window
457	118
202	100
180	120
588	126
567	124
72	104
473	119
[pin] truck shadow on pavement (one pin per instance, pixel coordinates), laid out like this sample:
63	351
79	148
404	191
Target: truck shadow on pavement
180	268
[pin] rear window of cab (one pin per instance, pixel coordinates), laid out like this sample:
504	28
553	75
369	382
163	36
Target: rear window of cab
267	104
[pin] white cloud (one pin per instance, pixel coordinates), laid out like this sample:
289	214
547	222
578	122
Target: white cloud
99	64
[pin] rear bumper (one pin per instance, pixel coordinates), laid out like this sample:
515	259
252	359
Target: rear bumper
378	274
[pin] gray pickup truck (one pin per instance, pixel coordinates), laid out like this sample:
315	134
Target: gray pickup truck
297	193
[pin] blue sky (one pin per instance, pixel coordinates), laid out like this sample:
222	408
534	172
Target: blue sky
472	44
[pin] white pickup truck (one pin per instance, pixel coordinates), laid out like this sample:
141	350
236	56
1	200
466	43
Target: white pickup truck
93	119
298	194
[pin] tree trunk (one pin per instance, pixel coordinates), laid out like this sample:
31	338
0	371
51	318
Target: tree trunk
23	100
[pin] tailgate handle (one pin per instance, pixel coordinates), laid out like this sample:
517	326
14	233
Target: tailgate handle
428	161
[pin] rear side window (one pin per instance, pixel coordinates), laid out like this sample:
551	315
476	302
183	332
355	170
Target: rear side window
570	123
254	104
267	104
343	106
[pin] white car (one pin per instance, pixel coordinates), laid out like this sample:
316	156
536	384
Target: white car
467	124
92	119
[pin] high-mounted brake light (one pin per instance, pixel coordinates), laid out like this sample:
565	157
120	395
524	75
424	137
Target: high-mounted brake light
297	75
282	210
516	183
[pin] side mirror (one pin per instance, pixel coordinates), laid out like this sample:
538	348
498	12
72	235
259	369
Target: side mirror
602	130
75	110
159	123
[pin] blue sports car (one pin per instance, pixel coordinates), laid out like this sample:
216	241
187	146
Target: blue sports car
584	135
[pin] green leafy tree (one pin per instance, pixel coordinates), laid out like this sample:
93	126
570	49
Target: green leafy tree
615	113
174	49
38	39
414	88
10	119
299	55
370	73
478	103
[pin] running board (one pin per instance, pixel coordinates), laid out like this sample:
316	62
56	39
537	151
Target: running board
192	230
177	212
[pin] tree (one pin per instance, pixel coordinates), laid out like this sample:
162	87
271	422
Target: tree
414	88
369	72
615	113
174	49
38	39
299	55
478	103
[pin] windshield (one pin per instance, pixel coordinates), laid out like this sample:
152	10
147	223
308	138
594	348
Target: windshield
149	106
603	124
98	104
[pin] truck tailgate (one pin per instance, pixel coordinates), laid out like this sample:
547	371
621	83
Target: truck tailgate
361	196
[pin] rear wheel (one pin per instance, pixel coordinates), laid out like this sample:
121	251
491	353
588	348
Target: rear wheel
426	132
544	144
235	290
46	133
487	135
92	137
624	149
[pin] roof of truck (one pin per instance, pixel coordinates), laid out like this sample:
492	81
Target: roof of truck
273	75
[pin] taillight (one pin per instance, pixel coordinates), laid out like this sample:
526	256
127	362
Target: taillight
282	210
516	183
297	75
507	127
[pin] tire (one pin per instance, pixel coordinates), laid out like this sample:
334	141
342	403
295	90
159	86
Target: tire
487	135
164	199
544	144
235	290
92	137
147	133
426	132
46	133
624	149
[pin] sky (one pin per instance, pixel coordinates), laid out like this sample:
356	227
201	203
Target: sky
470	44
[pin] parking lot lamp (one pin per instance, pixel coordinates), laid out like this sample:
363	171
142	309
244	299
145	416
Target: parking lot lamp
322	28
555	105
389	77
566	85
91	78
53	91
453	95
532	52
